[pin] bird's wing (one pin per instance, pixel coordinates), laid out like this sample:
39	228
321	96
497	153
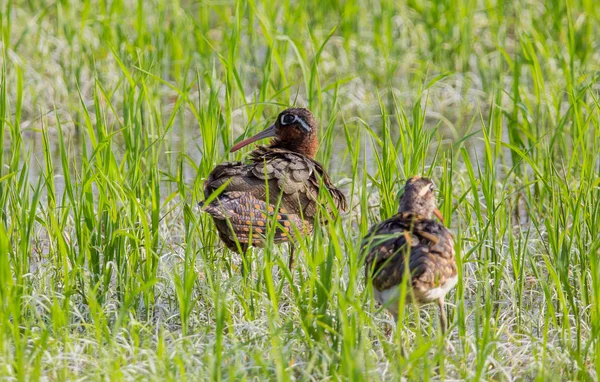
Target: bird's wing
249	217
289	179
426	244
298	176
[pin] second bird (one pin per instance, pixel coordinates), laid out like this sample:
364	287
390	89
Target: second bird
412	246
282	174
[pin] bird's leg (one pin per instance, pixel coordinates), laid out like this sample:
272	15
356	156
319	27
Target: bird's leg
443	319
399	335
443	327
291	259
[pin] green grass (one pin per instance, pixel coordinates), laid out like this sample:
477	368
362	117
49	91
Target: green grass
113	113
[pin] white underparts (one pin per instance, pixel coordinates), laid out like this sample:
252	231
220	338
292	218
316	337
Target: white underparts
389	297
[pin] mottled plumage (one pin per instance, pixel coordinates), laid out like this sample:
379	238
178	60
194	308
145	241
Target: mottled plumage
283	174
411	236
241	215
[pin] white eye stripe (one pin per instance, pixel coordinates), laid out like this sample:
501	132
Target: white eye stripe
304	124
425	190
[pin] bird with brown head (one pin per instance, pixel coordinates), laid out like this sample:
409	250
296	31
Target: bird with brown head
413	248
280	183
295	129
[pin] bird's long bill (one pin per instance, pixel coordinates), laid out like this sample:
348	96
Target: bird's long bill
437	213
266	133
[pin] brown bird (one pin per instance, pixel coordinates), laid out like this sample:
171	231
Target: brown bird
281	182
411	238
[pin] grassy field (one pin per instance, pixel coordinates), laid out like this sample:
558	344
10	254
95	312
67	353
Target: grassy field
112	114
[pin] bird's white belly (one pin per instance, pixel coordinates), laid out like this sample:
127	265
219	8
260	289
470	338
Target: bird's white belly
389	297
441	291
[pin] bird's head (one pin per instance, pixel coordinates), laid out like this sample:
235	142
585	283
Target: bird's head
419	198
295	129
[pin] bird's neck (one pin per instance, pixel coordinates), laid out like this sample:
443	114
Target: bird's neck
307	147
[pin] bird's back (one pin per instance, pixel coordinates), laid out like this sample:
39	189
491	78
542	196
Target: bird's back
274	179
426	244
290	179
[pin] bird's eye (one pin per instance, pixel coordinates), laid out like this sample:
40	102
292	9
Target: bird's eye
287	119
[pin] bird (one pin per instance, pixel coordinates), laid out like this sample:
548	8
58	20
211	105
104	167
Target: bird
279	182
411	246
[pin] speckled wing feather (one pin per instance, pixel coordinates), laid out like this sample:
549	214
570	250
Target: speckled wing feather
293	177
251	190
430	246
298	176
242	217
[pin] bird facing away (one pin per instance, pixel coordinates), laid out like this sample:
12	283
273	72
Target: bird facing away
280	182
413	238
